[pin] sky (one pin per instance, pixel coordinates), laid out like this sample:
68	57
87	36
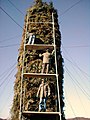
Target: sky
74	23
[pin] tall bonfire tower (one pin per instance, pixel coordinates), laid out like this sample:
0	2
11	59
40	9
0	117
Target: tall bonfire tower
38	89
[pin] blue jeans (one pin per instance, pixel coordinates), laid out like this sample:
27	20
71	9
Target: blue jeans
42	104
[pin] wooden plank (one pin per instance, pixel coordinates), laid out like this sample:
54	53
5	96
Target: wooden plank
33	112
39	75
41	115
38	47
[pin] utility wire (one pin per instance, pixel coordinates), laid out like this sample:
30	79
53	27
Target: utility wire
10	17
15	7
9	45
3	90
70	7
79	97
82	75
77	94
83	72
6	102
78	84
10	38
70	105
75	46
6	71
74	63
5	85
7	77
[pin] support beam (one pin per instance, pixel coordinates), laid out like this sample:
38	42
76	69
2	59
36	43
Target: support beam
38	47
39	75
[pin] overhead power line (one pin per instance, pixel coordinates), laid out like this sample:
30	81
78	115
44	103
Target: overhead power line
10	17
6	71
70	105
7	77
86	75
9	45
17	36
70	7
78	84
6	103
74	63
15	7
75	46
5	86
79	97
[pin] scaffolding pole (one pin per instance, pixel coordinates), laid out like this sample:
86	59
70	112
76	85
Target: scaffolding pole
20	114
21	97
56	64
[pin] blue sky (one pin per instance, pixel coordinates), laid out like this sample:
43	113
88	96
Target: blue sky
75	30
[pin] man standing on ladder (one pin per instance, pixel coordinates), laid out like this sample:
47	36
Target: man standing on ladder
43	92
46	60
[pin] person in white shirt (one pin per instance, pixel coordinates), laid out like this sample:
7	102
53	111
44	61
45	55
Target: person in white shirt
43	93
46	60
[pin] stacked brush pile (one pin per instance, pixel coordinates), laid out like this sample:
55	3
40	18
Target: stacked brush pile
38	21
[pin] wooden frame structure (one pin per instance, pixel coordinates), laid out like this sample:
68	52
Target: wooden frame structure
41	75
